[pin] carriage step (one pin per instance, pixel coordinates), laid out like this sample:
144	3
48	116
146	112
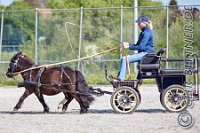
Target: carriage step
195	97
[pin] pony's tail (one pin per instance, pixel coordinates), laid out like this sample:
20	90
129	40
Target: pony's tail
83	87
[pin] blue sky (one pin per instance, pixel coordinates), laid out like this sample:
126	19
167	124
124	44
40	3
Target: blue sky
165	2
5	2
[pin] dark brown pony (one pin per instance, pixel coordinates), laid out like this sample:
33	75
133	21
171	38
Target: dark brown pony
50	82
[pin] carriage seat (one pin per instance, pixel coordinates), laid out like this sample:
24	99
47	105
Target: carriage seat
150	61
172	72
149	65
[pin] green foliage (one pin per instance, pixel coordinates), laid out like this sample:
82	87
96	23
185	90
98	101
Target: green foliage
87	3
18	5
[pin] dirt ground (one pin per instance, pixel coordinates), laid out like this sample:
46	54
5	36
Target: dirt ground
149	117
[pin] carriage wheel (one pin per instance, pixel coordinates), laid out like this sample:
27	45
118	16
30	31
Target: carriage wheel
175	98
125	100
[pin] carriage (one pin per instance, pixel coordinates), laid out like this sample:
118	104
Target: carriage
171	83
125	98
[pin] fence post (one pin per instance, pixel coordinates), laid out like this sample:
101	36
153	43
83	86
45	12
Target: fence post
121	26
36	36
167	33
80	36
1	38
135	29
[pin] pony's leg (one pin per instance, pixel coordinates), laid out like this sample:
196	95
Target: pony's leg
84	109
22	98
41	99
69	98
61	104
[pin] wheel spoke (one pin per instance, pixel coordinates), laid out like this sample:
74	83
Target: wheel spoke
175	106
172	106
132	101
132	106
124	92
118	105
116	100
181	105
177	91
118	93
182	93
131	95
166	98
167	101
171	92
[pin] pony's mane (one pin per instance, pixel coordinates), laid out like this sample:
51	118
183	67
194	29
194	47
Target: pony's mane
16	56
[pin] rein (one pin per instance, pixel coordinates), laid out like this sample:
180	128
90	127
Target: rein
127	66
64	62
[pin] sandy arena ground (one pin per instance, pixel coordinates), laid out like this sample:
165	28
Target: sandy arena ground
149	117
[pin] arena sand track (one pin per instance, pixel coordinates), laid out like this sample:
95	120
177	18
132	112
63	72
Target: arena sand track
149	117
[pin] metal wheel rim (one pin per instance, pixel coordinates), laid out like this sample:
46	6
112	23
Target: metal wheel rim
182	97
122	107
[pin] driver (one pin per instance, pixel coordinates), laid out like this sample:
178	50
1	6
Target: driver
144	45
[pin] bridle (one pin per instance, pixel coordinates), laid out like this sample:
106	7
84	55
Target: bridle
13	66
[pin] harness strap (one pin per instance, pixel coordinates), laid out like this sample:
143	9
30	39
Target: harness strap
127	66
63	71
38	77
30	76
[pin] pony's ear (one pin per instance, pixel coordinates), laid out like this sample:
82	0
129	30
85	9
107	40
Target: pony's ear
19	52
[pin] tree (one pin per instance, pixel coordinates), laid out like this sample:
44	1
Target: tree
174	4
18	26
34	3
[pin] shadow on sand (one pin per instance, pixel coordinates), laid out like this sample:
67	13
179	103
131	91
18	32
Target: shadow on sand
76	111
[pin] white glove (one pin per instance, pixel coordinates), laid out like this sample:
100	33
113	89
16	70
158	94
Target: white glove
126	45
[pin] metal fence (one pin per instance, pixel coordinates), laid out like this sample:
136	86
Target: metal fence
54	35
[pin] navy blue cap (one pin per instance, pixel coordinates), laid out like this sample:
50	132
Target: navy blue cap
142	19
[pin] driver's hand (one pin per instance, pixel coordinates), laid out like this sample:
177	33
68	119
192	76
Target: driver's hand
126	45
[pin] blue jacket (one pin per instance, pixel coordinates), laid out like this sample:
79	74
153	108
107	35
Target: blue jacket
145	42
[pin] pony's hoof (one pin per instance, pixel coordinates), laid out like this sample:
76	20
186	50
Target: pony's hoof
83	111
15	109
64	109
46	111
59	106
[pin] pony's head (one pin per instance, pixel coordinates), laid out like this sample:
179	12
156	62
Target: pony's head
17	63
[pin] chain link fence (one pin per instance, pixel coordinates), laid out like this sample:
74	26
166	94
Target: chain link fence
55	35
